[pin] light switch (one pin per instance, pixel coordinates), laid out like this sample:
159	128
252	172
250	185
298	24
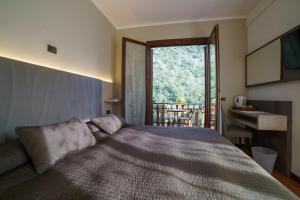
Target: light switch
52	49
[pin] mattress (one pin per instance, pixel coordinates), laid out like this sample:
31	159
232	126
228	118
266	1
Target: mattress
154	163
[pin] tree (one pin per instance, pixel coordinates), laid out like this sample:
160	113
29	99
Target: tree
179	72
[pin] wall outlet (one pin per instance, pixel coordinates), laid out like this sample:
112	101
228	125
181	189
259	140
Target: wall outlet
52	49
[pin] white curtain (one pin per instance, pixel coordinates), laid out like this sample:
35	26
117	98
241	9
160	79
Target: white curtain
135	83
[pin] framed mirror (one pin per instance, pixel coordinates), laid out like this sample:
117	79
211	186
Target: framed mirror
276	61
264	64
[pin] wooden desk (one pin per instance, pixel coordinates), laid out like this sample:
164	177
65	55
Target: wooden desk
271	127
260	120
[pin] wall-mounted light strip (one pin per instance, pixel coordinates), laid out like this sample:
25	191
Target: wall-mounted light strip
57	68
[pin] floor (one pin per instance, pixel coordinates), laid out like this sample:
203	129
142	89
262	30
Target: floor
290	183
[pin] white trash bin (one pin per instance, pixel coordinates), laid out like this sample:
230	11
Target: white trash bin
265	157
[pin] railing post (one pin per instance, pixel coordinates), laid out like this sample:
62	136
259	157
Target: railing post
196	118
163	115
179	122
157	114
168	118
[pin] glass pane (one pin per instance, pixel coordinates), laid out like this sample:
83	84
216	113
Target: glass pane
179	86
135	83
213	83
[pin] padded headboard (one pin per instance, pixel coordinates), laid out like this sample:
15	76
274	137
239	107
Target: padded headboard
35	95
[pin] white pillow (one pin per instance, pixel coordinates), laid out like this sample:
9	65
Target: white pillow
109	123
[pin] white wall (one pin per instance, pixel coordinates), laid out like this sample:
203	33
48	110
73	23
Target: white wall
107	93
233	48
270	19
85	39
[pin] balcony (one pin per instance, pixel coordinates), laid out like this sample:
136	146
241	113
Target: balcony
178	114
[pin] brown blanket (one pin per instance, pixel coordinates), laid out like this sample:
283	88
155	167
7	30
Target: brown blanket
155	163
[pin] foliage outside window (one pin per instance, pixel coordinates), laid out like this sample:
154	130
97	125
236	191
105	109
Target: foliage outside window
179	74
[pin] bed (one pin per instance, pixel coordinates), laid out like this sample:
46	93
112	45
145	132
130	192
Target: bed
150	163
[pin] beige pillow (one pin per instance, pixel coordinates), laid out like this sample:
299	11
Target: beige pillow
99	135
47	144
93	128
109	123
12	155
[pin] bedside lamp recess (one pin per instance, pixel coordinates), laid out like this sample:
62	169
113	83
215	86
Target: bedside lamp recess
111	101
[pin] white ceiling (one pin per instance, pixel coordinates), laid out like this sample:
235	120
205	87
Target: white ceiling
134	13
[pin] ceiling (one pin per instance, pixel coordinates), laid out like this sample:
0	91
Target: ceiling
134	13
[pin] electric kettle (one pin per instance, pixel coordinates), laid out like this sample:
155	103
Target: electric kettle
240	101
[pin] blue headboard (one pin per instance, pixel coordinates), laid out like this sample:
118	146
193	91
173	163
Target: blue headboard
35	95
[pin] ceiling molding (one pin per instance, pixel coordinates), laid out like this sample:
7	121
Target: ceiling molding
180	22
99	7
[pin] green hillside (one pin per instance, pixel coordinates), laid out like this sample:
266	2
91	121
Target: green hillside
179	72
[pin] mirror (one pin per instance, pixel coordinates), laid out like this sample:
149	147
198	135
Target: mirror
264	64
